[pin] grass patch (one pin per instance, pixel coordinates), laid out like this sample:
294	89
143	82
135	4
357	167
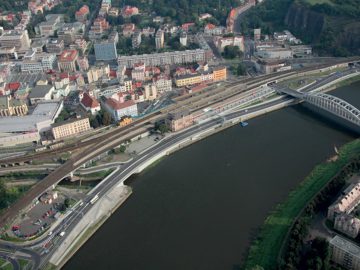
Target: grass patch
23	263
50	266
265	249
23	175
97	175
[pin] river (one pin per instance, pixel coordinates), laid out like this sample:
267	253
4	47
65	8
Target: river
199	208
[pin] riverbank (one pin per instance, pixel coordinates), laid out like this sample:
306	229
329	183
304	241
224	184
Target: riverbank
265	249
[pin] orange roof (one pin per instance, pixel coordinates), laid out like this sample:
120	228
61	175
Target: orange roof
117	105
210	26
89	102
68	56
83	10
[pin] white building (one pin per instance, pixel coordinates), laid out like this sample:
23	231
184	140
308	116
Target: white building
38	62
118	107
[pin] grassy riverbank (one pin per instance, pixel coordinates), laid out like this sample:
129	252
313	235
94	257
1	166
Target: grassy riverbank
265	249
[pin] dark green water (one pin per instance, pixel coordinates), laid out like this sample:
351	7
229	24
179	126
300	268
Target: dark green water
199	208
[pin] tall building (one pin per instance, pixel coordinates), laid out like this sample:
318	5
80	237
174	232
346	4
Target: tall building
67	60
136	39
53	22
166	58
105	50
345	253
159	39
183	39
18	39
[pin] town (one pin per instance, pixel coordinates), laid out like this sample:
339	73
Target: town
94	94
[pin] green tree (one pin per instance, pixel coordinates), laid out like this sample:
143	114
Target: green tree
163	128
231	52
106	118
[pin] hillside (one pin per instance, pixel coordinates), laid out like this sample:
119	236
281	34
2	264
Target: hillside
332	26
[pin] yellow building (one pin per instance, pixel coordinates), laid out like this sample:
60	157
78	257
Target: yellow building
219	74
189	79
70	128
214	75
125	121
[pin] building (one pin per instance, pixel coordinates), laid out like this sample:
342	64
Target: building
10	106
69	32
55	46
235	12
113	12
41	93
53	23
136	39
99	28
301	50
204	16
128	29
269	66
105	50
166	58
82	14
89	103
257	34
163	83
346	203
345	253
129	11
206	76
138	72
118	107
347	225
15	39
67	60
222	42
274	53
183	39
179	120
213	30
148	32
70	128
27	128
38	62
159	39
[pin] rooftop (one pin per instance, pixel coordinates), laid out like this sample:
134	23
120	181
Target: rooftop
40	91
346	246
68	55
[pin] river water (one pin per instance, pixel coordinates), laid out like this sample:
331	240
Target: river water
200	207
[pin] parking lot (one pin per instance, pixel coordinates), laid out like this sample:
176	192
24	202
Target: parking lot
38	219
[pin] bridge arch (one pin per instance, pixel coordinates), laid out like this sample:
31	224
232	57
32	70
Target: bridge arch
334	105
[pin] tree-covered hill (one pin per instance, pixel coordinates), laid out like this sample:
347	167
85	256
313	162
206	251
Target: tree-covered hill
332	26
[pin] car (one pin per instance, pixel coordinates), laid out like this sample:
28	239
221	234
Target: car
62	233
50	233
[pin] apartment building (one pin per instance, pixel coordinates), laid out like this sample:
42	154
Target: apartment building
15	39
222	42
345	203
212	75
136	39
345	253
69	32
159	39
166	58
70	128
118	107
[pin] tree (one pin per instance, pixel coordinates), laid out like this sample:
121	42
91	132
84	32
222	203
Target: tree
122	148
67	203
163	128
106	118
230	52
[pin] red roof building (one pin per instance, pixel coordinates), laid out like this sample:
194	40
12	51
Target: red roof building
89	103
82	13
